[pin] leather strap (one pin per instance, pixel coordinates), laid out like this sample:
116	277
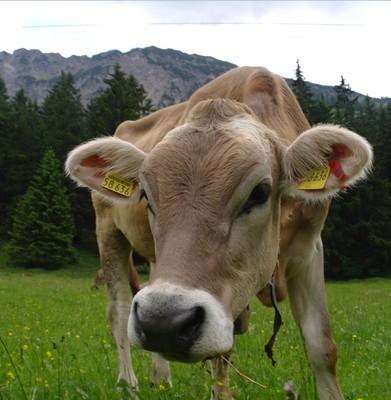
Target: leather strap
277	321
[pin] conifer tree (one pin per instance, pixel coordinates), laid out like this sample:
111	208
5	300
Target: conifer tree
123	99
27	135
65	127
343	92
320	111
302	91
22	150
4	107
5	148
63	116
365	119
343	110
383	143
42	228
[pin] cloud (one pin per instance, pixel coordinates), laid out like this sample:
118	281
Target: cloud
330	38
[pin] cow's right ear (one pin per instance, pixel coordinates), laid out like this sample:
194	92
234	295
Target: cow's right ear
108	165
324	160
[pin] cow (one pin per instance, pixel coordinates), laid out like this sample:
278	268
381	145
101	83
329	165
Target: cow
220	193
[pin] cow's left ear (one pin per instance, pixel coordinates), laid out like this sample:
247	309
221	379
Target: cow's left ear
107	165
323	160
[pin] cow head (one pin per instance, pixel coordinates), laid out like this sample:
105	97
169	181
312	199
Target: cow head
213	188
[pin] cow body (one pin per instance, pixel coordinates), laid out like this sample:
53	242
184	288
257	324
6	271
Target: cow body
217	211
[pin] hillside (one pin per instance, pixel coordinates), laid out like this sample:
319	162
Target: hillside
169	76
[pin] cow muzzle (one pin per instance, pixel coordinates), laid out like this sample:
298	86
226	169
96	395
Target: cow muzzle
182	324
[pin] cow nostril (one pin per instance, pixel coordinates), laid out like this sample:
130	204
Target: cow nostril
191	325
136	311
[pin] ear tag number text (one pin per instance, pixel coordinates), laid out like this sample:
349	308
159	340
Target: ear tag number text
117	185
317	180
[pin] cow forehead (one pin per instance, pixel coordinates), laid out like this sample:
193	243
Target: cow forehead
193	152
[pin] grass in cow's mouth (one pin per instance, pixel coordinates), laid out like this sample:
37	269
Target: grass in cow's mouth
60	346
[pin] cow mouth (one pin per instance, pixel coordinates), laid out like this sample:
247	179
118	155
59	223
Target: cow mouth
190	358
180	357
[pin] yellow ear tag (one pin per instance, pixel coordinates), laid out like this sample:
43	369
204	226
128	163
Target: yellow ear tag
317	180
117	185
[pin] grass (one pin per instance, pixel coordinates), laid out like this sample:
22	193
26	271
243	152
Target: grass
56	344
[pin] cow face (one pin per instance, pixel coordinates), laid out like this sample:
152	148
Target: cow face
213	189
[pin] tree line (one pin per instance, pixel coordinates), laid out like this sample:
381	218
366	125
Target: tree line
43	217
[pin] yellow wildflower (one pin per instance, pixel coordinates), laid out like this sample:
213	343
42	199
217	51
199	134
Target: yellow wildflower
10	375
25	347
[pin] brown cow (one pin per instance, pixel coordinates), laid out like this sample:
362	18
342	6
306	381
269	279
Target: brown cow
220	179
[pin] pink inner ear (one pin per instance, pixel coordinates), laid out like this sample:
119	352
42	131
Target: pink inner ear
336	169
340	150
95	161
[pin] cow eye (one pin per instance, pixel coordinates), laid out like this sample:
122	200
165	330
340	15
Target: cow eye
258	196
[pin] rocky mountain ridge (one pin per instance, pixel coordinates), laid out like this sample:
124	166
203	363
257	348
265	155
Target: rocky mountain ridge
169	76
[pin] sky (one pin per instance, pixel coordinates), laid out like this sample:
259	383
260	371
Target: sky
330	38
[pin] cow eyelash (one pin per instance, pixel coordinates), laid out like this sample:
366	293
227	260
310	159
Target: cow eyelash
259	195
143	195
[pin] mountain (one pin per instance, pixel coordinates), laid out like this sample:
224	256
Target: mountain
169	76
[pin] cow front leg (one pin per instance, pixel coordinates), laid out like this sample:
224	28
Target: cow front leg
308	303
114	252
118	314
220	375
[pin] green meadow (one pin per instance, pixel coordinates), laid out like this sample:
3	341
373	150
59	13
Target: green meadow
56	343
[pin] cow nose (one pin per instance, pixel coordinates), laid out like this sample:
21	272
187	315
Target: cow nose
171	333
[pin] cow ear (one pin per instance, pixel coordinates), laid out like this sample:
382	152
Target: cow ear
108	165
324	160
